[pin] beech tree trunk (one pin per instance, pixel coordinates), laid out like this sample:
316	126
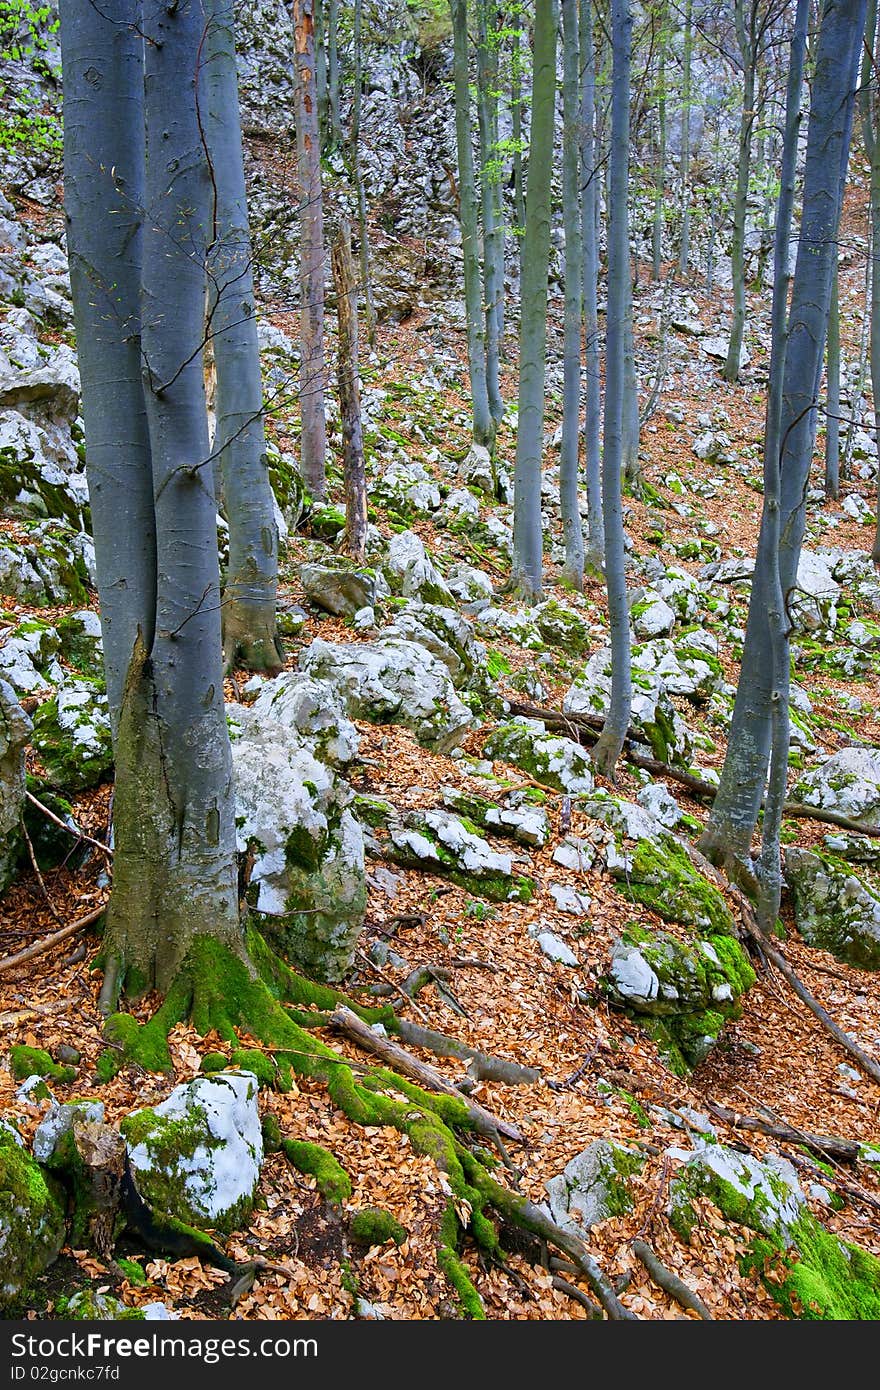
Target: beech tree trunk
349	397
610	742
490	195
590	176
313	447
249	602
527	528
569	486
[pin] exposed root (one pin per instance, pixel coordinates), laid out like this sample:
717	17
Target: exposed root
669	1282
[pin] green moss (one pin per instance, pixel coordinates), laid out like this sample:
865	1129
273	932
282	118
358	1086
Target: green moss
374	1225
818	1277
132	1270
331	1179
33	1061
88	1305
272	1135
663	879
31	1218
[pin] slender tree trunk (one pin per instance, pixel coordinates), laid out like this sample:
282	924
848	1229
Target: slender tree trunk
590	176
832	401
517	134
684	242
249	630
569	488
858	397
527	528
313	447
632	468
870	112
321	93
174	867
484	427
660	169
334	126
610	742
740	204
493	213
349	397
735	811
363	239
103	201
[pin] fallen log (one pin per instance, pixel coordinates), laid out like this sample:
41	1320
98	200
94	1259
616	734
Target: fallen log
842	1150
40	947
480	1064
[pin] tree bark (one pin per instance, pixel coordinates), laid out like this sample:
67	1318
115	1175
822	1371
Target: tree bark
493	212
313	448
250	636
569	461
746	40
610	742
590	176
349	397
527	527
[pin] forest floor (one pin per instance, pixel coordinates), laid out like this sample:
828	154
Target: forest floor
600	1076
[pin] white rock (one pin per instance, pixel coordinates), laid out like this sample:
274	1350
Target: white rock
555	949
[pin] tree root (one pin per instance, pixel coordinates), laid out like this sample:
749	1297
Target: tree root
826	1145
666	1280
481	1065
217	988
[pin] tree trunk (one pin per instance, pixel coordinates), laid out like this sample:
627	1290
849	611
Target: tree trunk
569	489
484	427
527	528
493	212
313	448
349	397
363	240
684	240
103	200
590	176
334	127
632	468
832	395
516	116
660	168
870	102
740	204
249	601
607	749
734	814
174	867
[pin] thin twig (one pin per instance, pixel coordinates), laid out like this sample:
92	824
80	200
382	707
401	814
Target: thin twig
62	825
40	947
407	998
36	868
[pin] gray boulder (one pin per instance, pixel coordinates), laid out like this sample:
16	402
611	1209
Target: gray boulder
834	909
15	732
339	586
592	1187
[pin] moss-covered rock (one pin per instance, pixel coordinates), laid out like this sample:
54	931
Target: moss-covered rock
72	736
682	993
557	762
375	1226
660	875
339	585
15	732
440	843
834	908
593	1186
90	1305
34	1061
32	1225
197	1156
81	643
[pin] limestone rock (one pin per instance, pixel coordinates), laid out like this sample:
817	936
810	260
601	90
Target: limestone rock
32	1225
72	736
834	909
339	586
559	762
15	731
848	782
592	1187
197	1156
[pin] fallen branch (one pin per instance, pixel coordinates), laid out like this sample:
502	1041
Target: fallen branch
46	944
750	922
436	975
396	1057
665	1279
398	989
36	868
62	825
481	1066
590	724
843	1150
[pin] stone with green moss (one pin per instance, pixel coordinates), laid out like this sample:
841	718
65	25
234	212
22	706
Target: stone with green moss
72	736
652	712
34	1061
557	762
81	643
682	993
197	1156
659	874
32	1227
451	846
15	733
835	909
91	1305
338	585
593	1186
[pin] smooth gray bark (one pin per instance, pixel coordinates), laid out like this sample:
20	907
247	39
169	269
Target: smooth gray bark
610	742
358	173
490	198
517	134
746	39
527	527
684	240
354	472
590	177
483	424
632	468
249	601
334	126
870	113
569	481
660	167
832	394
103	203
735	811
313	446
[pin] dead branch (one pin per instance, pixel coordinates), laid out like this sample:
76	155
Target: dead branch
481	1066
843	1150
396	1057
36	868
669	1282
407	998
593	1309
62	825
46	944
